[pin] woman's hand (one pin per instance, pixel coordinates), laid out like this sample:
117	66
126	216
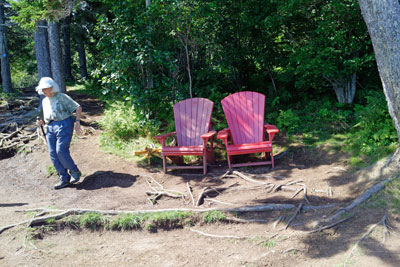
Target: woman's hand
78	129
39	122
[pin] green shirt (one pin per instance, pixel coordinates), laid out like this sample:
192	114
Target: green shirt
58	108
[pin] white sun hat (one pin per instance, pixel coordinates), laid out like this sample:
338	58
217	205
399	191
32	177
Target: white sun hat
47	82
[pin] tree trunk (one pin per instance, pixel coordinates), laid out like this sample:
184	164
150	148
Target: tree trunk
57	67
67	48
42	50
82	56
383	19
345	89
5	64
148	72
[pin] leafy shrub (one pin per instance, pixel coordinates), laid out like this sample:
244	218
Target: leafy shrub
120	122
374	134
288	120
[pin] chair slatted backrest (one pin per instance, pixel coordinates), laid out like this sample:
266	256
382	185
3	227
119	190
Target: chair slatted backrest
192	119
244	112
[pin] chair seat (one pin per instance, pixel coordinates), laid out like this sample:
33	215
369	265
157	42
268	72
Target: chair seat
182	150
258	147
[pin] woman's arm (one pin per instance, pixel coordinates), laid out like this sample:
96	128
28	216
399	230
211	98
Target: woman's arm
78	112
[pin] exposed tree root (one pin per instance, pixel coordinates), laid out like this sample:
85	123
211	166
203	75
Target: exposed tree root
383	221
63	213
159	190
217	236
329	226
190	193
294	215
366	195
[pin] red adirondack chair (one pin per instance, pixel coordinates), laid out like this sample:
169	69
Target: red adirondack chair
192	123
244	112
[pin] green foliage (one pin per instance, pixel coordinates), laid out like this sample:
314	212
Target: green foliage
373	135
289	121
121	123
213	216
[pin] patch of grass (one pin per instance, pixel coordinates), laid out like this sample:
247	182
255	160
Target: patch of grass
214	216
126	222
269	243
51	170
168	220
93	221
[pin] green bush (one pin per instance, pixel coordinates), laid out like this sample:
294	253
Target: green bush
373	135
120	123
288	120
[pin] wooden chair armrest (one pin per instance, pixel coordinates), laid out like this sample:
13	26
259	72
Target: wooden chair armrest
271	130
162	137
224	135
208	135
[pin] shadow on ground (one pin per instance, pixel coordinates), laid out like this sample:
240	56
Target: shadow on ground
105	179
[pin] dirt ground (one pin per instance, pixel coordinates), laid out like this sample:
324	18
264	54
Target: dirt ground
112	183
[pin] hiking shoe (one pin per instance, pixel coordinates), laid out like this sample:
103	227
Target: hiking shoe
61	184
75	176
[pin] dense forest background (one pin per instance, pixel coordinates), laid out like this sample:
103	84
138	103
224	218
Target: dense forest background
313	59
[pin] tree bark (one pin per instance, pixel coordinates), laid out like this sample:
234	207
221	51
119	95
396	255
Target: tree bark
57	67
5	64
149	74
67	48
383	21
345	89
80	47
42	50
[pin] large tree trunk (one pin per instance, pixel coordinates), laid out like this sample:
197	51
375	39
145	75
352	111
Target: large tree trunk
5	64
383	20
67	48
42	50
57	67
149	74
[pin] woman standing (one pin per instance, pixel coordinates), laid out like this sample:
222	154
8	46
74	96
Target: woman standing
57	109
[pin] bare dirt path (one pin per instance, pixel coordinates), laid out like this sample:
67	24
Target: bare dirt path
111	183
